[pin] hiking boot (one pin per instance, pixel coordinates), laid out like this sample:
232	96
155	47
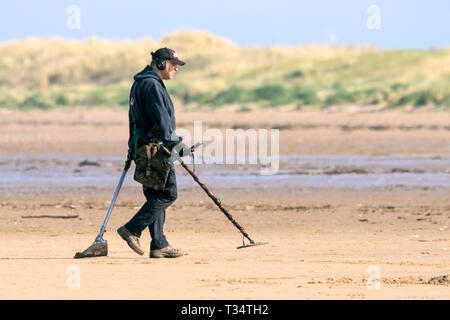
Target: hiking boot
132	240
167	252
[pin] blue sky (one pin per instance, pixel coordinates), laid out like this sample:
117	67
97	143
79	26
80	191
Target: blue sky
403	23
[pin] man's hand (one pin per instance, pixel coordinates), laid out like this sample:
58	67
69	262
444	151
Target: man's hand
130	155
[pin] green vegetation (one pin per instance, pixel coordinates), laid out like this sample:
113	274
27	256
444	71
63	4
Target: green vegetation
54	73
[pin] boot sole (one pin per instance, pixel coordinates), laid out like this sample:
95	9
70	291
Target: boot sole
158	256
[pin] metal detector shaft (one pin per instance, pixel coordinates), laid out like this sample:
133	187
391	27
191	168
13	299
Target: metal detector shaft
216	201
111	206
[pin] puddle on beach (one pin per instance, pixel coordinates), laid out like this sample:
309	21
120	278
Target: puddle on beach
55	172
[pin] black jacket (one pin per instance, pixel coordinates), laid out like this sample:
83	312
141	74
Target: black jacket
150	104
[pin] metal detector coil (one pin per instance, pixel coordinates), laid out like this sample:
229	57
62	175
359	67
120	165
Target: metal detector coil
251	244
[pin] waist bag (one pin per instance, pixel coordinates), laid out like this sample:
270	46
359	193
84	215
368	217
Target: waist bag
152	163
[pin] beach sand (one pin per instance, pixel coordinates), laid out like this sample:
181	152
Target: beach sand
387	242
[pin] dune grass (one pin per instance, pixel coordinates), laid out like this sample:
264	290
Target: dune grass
55	73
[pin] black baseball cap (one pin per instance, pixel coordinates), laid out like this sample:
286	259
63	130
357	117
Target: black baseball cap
167	54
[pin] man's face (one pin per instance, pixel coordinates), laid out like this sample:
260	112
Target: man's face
169	72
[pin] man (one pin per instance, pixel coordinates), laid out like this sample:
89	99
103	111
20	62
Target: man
152	115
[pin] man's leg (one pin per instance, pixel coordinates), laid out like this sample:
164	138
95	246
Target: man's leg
152	213
156	229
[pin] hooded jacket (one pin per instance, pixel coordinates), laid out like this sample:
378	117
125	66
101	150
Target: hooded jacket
150	105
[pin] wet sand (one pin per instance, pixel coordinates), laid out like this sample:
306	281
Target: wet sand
326	241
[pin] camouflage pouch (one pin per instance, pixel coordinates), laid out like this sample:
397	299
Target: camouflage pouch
152	165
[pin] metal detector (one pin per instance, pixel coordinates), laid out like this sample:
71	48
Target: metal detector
219	204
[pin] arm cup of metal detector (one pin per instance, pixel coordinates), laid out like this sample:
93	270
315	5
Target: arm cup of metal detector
183	150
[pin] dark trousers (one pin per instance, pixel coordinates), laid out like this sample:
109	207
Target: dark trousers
153	212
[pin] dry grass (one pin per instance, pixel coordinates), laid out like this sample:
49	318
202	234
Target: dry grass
45	73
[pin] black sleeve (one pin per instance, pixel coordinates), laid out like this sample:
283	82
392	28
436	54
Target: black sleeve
159	115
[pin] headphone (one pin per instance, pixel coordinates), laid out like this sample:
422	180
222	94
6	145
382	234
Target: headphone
160	63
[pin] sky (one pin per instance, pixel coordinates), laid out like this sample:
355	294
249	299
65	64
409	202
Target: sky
390	24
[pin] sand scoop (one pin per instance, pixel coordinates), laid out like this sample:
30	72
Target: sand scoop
100	246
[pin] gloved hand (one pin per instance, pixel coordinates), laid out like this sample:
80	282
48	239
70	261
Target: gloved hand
130	155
